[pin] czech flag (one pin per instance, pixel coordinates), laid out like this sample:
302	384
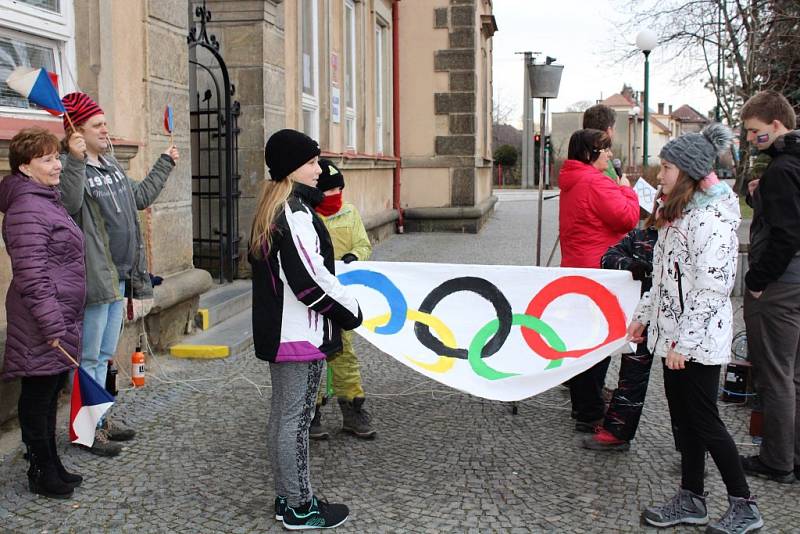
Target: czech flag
169	120
89	402
38	86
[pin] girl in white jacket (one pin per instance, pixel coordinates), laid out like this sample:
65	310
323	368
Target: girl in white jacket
690	320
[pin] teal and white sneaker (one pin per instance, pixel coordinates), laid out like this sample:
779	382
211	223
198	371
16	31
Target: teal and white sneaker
742	516
280	507
684	508
315	514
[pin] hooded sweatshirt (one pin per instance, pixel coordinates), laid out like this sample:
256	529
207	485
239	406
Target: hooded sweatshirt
46	297
775	232
694	267
594	214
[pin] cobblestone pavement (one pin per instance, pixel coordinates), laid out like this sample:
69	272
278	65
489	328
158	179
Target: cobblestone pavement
442	461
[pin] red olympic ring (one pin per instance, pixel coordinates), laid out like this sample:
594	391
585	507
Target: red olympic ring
602	297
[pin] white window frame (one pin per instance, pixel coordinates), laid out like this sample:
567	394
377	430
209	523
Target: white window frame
43	28
380	85
350	116
310	102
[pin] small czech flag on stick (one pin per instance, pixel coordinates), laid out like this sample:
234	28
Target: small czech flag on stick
88	404
40	87
169	122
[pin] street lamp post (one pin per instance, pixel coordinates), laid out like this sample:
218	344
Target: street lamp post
634	114
545	80
646	41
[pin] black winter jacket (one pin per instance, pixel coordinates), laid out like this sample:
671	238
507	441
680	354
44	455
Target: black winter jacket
299	306
775	231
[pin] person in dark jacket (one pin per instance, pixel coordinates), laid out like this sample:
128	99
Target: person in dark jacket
633	253
104	201
772	299
44	303
299	309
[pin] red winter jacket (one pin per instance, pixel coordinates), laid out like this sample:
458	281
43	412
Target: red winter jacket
594	214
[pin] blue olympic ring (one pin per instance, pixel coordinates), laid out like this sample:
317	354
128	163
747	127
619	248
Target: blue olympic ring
398	307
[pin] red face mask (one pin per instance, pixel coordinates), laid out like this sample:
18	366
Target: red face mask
330	204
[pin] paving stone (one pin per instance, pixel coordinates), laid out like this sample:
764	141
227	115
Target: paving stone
442	461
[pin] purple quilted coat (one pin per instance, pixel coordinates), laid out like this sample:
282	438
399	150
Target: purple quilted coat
47	293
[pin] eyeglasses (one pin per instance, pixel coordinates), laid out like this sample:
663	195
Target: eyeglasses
601	150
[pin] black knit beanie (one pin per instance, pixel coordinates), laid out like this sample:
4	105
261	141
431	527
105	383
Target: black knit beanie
331	176
286	151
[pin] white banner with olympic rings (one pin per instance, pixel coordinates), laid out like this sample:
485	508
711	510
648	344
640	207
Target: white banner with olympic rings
494	331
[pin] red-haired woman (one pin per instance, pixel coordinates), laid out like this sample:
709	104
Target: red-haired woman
45	300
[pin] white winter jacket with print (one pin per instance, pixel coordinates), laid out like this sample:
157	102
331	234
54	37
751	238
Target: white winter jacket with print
694	265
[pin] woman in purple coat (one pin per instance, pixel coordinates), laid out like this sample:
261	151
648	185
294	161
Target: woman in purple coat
45	301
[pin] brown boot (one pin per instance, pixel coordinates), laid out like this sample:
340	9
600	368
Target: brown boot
102	446
355	419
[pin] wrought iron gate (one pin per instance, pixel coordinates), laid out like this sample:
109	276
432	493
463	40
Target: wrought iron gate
214	141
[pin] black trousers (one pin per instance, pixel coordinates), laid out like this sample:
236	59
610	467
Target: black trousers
625	410
38	404
692	398
586	393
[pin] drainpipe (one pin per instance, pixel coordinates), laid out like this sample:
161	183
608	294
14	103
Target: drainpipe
396	113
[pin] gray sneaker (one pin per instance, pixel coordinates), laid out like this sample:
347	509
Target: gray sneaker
355	419
684	508
102	446
742	516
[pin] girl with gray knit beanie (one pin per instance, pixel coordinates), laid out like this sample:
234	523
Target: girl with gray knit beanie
689	316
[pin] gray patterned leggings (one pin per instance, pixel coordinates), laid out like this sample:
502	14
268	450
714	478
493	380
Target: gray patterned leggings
294	391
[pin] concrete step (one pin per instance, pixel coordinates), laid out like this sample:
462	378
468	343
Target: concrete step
229	338
223	302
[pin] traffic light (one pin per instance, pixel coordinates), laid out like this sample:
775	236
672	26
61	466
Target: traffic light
537	148
548	143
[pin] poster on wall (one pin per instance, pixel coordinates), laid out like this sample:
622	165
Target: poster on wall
336	105
498	332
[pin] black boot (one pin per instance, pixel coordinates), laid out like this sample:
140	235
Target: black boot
72	479
42	475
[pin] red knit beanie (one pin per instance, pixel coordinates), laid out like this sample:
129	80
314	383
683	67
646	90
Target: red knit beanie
80	108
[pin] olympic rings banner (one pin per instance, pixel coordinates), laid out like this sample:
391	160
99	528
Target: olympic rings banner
498	332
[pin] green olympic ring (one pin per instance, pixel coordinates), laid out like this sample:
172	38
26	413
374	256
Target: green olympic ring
519	319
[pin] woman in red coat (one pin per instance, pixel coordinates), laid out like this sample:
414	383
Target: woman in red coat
595	213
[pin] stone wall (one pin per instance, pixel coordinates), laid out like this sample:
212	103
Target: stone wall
459	145
251	36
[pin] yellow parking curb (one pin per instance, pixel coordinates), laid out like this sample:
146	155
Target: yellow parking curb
200	351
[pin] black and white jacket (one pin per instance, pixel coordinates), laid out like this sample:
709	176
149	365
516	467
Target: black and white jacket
694	265
299	306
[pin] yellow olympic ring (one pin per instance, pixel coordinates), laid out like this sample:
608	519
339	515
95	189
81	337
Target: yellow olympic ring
442	363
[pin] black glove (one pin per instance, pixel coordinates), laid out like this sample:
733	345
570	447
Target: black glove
347	258
641	270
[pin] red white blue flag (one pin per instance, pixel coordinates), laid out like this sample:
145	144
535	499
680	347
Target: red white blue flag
89	402
39	86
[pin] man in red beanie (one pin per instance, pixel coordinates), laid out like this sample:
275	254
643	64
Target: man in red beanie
104	201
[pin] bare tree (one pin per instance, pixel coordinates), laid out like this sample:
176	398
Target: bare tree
502	111
580	105
719	40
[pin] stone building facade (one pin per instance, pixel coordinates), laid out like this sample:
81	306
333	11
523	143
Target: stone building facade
409	125
446	174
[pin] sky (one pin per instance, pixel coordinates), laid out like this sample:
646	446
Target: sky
580	34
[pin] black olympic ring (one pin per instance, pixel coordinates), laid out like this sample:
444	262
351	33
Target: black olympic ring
482	287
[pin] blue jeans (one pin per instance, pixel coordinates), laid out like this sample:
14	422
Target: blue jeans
102	325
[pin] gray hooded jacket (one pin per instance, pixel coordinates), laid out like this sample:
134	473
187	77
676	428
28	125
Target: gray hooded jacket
102	276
